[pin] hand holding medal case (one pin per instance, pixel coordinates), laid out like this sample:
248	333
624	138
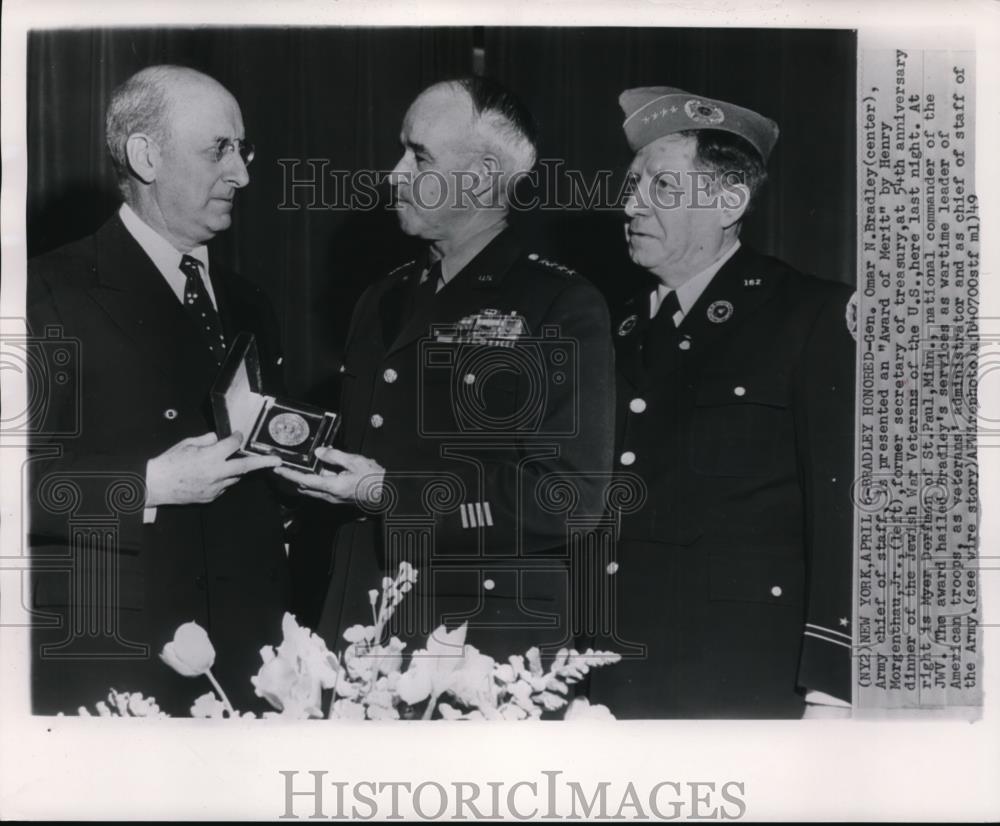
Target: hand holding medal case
270	426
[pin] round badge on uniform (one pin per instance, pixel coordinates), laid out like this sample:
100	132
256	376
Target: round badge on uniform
628	325
719	311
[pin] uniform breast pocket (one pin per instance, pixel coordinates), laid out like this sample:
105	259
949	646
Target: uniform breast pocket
739	425
471	388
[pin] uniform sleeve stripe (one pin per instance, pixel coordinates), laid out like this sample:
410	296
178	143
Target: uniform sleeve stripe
828	630
465	518
480	520
489	514
828	639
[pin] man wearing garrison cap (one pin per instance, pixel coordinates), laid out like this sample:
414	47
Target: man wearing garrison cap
735	406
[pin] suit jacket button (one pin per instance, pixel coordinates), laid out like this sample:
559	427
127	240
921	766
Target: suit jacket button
776	591
637	405
627	458
739	391
377	421
170	414
390	376
684	344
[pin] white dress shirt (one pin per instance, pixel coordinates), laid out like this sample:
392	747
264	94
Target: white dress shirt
690	291
164	256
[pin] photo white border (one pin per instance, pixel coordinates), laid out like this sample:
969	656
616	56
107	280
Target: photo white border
848	770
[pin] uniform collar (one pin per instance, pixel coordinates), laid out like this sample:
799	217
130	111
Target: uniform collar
457	260
690	291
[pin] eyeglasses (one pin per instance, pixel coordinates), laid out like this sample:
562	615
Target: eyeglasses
225	147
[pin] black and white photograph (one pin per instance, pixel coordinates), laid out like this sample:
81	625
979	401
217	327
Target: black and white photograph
488	389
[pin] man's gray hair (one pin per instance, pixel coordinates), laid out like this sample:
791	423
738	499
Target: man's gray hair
504	124
142	104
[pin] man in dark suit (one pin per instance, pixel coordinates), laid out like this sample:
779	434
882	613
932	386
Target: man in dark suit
477	393
735	405
141	518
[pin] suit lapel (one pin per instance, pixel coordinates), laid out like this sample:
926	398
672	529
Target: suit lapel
629	329
396	298
139	301
463	294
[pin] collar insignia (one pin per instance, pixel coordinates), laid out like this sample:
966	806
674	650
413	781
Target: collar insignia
628	325
720	311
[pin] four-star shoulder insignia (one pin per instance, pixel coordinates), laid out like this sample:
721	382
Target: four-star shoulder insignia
401	267
552	265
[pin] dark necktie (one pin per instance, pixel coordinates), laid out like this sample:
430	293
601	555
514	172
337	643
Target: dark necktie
660	333
199	307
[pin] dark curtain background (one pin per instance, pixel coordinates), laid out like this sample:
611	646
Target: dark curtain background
340	94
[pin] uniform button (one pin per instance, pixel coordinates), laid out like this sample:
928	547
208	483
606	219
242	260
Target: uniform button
342	369
776	591
170	414
684	344
739	391
376	420
637	405
470	378
627	458
489	584
612	568
390	375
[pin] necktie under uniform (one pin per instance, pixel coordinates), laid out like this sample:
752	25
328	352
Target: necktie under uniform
661	330
199	307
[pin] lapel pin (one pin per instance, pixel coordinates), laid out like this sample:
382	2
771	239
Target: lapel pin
628	325
720	311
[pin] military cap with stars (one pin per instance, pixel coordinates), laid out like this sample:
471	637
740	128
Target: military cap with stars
652	112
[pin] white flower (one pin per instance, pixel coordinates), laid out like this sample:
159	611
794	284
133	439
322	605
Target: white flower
382	713
431	670
581	709
359	633
296	693
208	706
307	651
414	684
472	682
190	653
389	657
346	710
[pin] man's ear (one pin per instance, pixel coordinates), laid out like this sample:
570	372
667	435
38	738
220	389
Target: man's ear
735	199
491	170
143	157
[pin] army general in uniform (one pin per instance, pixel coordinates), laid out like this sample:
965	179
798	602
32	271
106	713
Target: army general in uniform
735	403
477	397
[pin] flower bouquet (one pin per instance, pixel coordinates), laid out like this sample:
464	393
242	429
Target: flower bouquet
373	678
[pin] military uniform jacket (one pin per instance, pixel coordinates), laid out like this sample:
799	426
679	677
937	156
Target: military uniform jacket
736	572
491	411
139	384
